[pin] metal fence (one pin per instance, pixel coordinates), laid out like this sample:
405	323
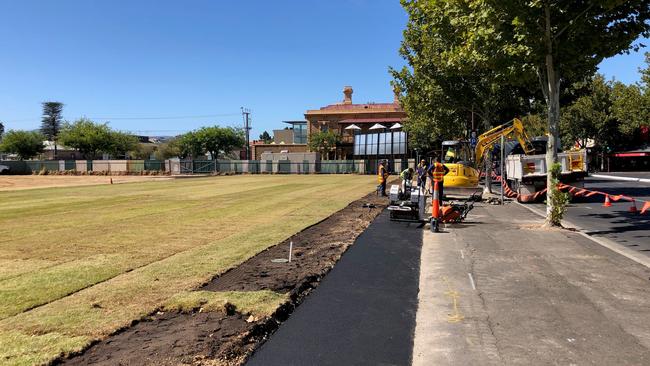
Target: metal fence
175	166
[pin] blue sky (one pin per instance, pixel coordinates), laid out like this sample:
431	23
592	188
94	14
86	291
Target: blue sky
118	60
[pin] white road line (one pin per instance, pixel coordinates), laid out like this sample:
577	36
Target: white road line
462	255
588	208
471	280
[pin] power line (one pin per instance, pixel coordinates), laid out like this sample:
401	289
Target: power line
140	118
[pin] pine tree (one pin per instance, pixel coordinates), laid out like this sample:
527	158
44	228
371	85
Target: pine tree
51	122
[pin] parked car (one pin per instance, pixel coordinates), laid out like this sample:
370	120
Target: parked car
4	169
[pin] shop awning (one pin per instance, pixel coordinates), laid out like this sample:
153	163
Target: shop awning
353	127
377	126
386	120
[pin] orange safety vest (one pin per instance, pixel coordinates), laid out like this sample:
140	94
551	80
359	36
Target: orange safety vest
438	172
382	174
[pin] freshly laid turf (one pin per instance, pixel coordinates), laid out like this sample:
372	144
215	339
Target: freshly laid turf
257	303
78	263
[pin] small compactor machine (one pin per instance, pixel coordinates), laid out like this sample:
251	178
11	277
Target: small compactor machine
407	203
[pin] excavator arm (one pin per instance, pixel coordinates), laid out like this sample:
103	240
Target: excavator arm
514	128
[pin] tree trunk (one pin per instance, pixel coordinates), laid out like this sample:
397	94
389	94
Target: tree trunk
553	104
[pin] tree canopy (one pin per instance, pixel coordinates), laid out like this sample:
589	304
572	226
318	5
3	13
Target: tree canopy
91	138
323	142
214	140
51	120
25	144
266	137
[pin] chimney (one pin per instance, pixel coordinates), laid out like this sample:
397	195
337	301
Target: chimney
347	95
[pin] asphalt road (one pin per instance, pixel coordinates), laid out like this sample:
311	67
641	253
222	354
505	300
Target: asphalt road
614	223
363	313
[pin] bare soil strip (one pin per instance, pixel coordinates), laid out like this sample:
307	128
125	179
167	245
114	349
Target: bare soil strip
218	338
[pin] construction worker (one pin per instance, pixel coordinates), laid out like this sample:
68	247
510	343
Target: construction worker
382	176
437	172
407	178
422	174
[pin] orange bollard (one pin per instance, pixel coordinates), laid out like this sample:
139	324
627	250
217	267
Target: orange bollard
607	203
632	208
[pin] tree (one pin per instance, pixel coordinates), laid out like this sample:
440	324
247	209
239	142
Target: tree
2	130
220	140
25	144
91	139
442	97
51	122
167	150
630	107
121	143
86	136
590	116
189	145
323	142
553	41
266	137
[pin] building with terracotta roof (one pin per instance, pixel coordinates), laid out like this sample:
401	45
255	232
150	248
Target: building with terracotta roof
367	131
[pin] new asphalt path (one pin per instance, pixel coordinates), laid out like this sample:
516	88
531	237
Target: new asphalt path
363	312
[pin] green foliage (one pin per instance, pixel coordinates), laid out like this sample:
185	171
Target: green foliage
25	144
608	112
443	84
558	198
189	146
323	142
169	149
51	120
91	139
86	136
220	140
2	130
266	137
214	140
631	107
121	143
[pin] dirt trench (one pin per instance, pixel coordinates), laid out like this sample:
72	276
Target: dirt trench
218	338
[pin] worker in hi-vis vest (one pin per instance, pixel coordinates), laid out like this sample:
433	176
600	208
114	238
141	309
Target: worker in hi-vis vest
382	176
437	172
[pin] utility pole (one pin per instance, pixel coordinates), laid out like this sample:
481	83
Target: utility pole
245	112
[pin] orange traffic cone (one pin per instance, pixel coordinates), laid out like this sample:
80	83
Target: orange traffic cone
632	208
435	202
607	203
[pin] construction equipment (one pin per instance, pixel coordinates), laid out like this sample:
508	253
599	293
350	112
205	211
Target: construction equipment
526	174
407	204
453	212
463	176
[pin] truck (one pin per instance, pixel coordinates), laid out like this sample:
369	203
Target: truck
526	174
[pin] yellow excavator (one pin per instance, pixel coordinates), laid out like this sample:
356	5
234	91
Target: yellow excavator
464	170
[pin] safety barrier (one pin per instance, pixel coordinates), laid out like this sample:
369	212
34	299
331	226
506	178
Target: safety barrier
579	192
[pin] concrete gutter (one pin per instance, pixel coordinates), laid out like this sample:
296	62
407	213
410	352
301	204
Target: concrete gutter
609	244
616	177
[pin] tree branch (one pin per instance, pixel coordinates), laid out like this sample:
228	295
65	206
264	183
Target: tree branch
572	20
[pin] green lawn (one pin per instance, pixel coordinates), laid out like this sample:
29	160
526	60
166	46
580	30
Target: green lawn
77	263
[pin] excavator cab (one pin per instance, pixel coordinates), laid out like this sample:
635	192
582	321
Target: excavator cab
462	179
455	151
